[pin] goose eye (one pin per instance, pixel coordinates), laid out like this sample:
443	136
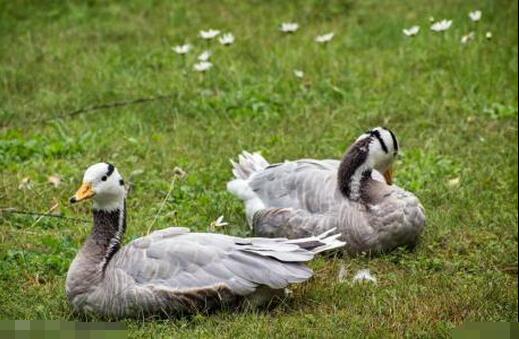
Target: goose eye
104	178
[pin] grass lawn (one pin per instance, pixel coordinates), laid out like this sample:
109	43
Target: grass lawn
453	106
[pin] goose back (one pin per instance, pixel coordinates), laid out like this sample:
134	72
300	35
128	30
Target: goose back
303	198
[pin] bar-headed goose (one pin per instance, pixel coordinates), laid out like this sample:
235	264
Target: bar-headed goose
174	271
304	197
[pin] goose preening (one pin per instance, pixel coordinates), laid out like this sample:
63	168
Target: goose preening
174	271
299	198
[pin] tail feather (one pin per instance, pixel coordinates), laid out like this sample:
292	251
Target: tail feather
248	164
241	189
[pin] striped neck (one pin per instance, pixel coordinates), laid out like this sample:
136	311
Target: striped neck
109	228
353	189
354	171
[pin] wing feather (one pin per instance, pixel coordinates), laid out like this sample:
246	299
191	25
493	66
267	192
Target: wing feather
178	260
303	184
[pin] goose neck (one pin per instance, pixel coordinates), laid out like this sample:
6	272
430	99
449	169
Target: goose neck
109	229
103	242
354	172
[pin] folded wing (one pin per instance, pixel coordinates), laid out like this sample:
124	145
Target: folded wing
179	260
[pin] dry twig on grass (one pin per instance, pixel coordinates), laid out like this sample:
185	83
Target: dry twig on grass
12	210
107	105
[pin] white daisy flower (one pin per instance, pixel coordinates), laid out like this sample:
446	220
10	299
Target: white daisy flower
468	37
488	35
210	34
411	31
441	26
289	27
205	56
182	49
324	38
299	74
227	39
364	276
202	66
475	15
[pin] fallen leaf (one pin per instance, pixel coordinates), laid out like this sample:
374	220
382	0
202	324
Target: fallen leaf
136	172
25	184
219	222
454	182
179	172
54	180
299	74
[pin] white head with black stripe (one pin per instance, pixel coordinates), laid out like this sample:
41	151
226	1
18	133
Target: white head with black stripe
382	150
104	184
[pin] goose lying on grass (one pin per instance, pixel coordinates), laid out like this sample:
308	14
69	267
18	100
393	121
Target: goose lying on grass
299	198
173	271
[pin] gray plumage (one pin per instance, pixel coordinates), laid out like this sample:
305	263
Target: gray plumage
304	197
174	271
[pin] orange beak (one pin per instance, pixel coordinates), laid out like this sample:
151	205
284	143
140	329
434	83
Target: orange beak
388	175
83	193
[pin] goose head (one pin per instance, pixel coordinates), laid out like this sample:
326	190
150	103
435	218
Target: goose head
102	183
381	148
374	150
